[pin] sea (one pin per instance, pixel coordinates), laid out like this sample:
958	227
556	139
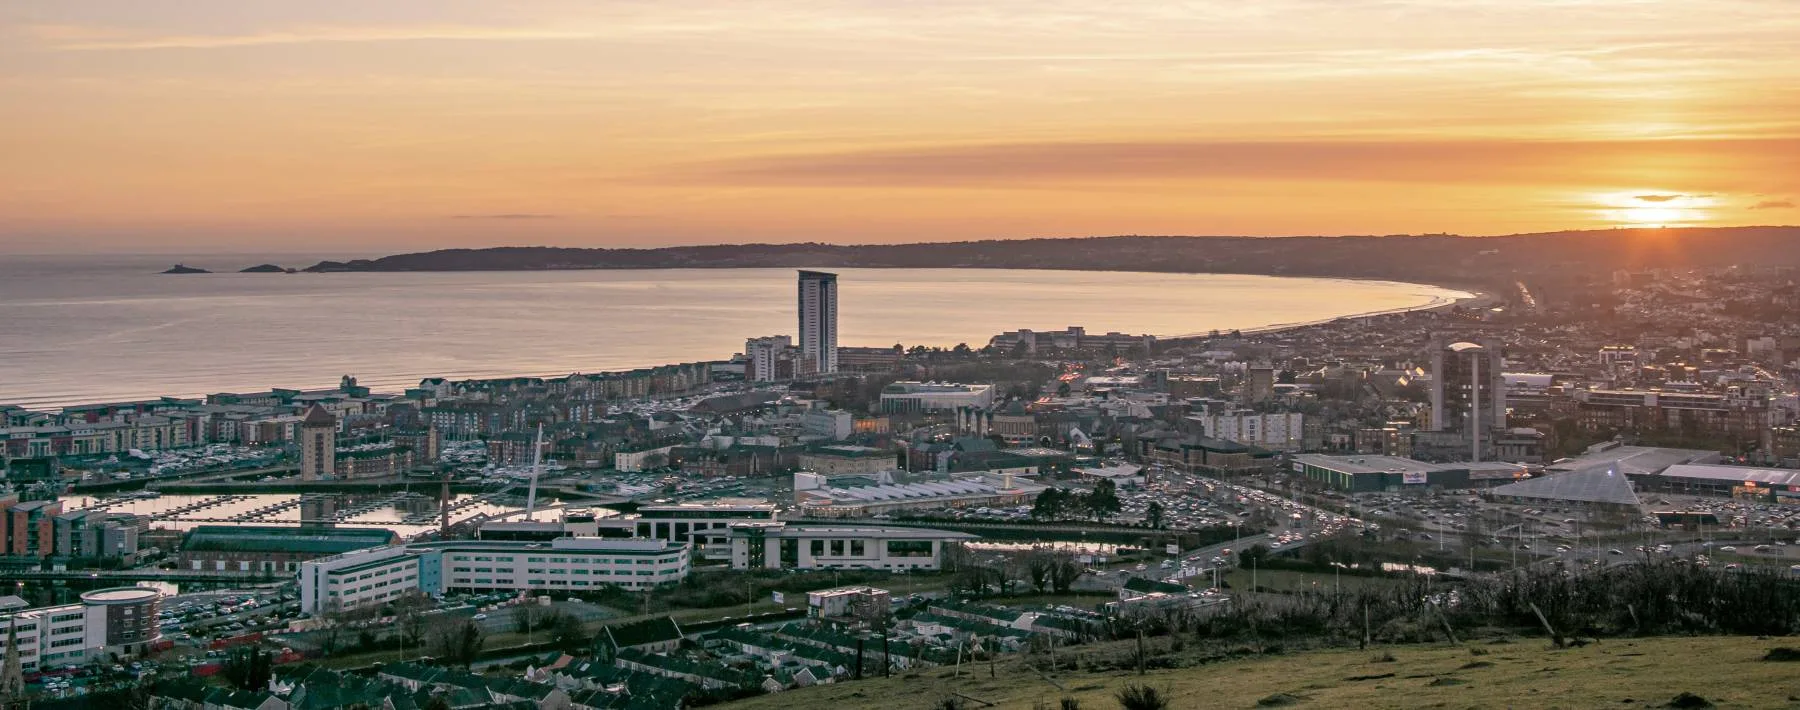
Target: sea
96	328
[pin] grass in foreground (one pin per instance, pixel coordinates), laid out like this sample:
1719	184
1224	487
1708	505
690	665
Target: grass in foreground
1621	673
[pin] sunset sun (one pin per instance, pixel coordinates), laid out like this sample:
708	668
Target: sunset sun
1654	216
1650	208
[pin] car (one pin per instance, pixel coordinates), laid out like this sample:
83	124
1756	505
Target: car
1728	548
1614	551
481	617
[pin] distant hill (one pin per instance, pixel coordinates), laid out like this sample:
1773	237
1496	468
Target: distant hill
180	269
264	269
1432	258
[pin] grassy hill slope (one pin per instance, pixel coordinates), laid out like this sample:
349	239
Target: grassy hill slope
1619	673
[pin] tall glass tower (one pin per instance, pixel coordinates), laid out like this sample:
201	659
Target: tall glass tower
818	322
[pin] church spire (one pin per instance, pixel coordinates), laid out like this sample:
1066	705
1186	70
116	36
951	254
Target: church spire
12	675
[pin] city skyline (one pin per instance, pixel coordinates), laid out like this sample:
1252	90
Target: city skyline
411	125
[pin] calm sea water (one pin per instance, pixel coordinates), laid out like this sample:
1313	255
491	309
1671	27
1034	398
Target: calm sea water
86	329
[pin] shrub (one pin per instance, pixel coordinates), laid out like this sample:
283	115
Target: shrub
1142	697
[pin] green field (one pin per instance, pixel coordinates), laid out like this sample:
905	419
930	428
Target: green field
1615	673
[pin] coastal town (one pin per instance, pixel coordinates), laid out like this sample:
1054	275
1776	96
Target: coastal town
805	513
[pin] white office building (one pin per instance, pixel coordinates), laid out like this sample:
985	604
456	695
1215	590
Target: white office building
119	620
706	525
784	546
833	424
1270	430
764	356
375	576
818	323
915	397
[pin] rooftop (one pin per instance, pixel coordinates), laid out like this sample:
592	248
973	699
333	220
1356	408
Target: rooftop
909	491
255	538
318	417
1727	474
1596	484
850	531
120	595
1636	460
1363	464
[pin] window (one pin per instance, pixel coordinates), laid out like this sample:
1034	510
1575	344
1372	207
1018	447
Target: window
856	548
818	548
909	548
837	548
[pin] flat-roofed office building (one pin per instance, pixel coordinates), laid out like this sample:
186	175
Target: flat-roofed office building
563	564
784	546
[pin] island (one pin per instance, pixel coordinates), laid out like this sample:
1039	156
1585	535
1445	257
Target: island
183	269
266	269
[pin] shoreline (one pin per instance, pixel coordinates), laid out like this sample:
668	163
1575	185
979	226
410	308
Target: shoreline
1437	304
1475	298
1442	297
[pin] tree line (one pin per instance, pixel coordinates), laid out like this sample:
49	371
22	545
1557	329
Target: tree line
1103	501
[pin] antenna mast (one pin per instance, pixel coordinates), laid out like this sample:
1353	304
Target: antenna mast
537	469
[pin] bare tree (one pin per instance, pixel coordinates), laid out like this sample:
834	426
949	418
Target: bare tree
1063	572
457	641
1038	566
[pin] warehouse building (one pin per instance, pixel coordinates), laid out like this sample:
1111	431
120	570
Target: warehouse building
1395	474
1772	484
1634	460
271	549
840	500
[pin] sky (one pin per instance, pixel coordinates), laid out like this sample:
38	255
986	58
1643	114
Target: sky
271	125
